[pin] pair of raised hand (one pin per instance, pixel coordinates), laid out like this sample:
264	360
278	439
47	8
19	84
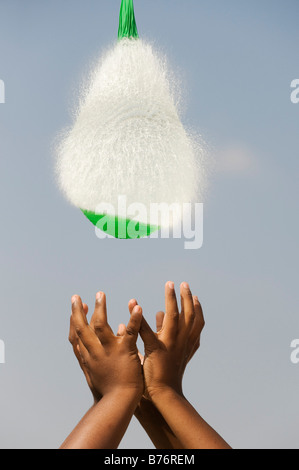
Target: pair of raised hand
112	362
124	382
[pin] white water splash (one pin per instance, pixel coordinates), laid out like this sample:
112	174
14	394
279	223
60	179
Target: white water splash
128	139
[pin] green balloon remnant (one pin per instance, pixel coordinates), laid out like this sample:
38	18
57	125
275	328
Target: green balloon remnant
119	227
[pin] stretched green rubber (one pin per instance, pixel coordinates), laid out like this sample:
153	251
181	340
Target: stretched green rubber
119	227
127	23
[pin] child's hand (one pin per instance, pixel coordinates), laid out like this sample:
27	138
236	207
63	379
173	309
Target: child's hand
110	363
73	339
168	351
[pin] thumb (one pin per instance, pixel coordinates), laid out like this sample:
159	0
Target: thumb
134	324
147	335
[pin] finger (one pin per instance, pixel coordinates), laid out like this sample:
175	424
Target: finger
187	305
197	327
82	329
132	304
85	308
74	340
82	361
121	330
78	354
134	324
195	330
170	324
148	336
194	338
83	353
141	357
99	320
159	321
78	306
199	312
72	332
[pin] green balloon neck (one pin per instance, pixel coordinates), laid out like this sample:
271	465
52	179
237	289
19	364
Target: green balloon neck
127	23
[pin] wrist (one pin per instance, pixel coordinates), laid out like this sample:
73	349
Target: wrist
157	390
164	393
144	407
125	392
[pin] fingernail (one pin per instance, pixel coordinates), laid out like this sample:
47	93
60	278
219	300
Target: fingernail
74	299
196	298
186	286
171	285
137	309
98	296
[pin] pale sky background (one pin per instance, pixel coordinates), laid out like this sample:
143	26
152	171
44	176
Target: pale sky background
238	59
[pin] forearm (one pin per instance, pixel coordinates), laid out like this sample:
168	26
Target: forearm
155	426
187	425
105	423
